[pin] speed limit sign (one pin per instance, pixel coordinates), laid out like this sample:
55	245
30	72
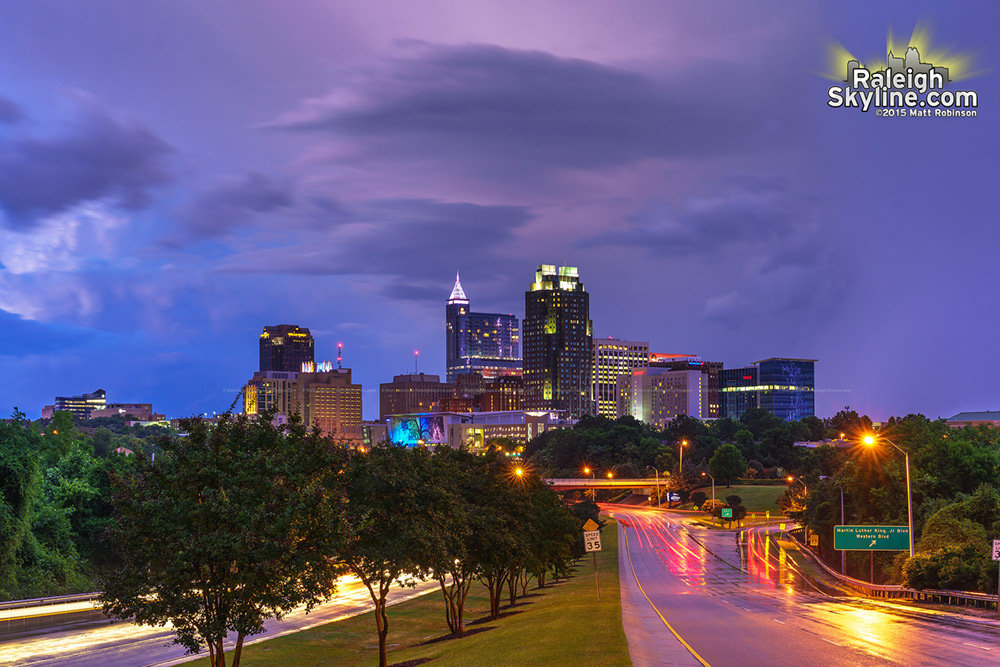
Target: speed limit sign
592	538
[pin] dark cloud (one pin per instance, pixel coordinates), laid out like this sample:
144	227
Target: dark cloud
414	238
231	202
490	107
18	336
752	211
98	155
9	111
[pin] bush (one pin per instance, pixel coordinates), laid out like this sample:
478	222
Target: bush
698	498
950	568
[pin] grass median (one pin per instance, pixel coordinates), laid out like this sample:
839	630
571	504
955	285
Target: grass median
561	624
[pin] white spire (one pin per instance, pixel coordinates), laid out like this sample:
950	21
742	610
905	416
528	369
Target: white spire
458	294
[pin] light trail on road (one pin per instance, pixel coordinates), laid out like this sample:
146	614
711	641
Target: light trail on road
123	644
755	607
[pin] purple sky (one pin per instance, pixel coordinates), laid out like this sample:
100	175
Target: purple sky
176	174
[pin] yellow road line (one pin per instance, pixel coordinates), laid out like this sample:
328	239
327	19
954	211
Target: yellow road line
628	553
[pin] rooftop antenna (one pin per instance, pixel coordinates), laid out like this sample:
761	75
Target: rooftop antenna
416	358
340	354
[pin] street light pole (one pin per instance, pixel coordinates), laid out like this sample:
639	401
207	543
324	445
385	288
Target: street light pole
843	554
657	473
683	445
713	495
870	440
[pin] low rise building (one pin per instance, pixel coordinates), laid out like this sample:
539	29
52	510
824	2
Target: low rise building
472	429
987	418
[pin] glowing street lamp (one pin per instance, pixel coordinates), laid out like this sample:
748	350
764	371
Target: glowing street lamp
519	472
704	474
683	445
593	490
657	472
870	441
804	487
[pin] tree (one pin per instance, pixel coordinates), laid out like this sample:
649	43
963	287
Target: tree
727	464
394	515
233	524
19	483
698	498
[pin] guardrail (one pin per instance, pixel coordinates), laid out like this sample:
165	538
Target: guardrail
891	591
43	602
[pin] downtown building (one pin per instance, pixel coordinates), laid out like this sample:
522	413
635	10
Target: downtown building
412	393
657	395
322	395
285	347
613	358
783	386
558	344
710	369
484	343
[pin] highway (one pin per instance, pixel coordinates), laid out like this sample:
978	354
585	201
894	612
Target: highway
123	644
751	606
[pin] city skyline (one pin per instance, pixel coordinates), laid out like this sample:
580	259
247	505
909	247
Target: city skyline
334	167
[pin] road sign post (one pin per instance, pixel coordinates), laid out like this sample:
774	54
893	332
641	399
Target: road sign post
996	557
592	542
871	538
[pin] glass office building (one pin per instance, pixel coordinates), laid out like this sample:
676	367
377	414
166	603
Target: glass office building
484	343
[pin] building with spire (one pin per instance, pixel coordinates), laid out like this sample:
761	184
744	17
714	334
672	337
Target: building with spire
484	343
558	342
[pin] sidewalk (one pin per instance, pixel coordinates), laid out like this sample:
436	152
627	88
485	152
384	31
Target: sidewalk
650	643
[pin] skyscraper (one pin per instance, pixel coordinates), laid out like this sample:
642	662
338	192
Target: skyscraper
614	357
485	343
558	344
785	387
285	347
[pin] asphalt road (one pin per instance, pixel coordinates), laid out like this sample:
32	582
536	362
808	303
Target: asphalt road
749	606
126	645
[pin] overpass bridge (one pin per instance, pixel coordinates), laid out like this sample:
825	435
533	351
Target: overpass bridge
566	484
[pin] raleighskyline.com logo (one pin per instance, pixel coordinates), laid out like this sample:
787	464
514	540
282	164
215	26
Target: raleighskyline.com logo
906	86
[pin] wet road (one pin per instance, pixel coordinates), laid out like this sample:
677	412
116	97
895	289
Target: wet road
127	645
749	605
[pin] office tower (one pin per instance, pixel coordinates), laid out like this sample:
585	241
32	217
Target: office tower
785	387
684	362
485	343
270	390
657	396
408	394
614	357
285	347
80	406
328	399
558	354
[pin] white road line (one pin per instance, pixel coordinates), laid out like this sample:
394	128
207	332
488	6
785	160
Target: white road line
976	646
777	621
830	642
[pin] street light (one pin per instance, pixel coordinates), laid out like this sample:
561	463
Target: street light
593	490
792	479
713	495
657	472
870	440
683	445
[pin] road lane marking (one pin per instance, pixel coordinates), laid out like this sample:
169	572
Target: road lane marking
628	553
976	646
829	642
777	621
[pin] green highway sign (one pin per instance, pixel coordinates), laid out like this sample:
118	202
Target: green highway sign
871	538
727	512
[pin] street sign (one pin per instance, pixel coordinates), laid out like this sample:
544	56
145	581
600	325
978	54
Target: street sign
814	540
590	525
727	512
592	539
673	497
871	538
996	549
781	526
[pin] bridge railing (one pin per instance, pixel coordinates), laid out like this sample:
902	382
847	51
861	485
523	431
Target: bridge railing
43	602
892	591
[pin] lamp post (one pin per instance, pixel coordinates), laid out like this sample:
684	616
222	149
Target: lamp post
792	479
593	490
713	495
657	473
683	445
870	441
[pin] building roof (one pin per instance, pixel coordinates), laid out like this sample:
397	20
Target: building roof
457	293
987	416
